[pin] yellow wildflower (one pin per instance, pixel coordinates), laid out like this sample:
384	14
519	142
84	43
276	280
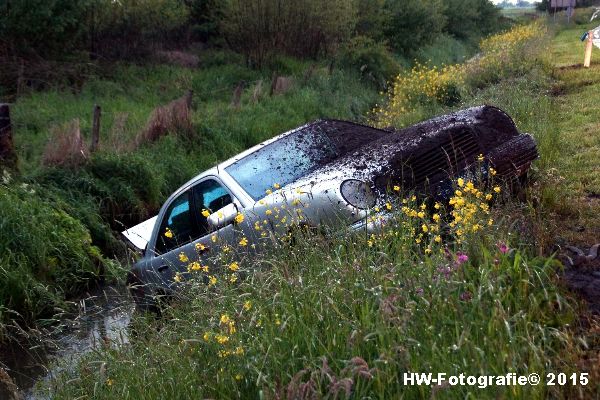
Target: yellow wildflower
205	213
225	319
244	242
212	280
169	233
177	277
183	257
200	247
497	189
276	185
239	218
461	182
233	278
396	188
234	266
221	339
247	305
195	266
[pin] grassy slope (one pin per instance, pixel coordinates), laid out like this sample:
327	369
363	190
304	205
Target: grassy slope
578	122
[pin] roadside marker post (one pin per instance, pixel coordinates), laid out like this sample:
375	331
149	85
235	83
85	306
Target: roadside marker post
589	45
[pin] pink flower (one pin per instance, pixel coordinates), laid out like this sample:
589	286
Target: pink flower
461	258
502	247
466	296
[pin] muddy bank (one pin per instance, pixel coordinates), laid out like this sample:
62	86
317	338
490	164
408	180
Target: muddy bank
582	274
102	319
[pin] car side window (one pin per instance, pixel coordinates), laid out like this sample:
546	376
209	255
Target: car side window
211	196
178	225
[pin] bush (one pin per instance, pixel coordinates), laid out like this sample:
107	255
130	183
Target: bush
472	19
43	27
128	28
373	60
414	23
47	254
306	28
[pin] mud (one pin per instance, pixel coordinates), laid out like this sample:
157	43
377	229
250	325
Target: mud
424	155
582	274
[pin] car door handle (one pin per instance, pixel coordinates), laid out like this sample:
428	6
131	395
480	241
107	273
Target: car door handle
162	268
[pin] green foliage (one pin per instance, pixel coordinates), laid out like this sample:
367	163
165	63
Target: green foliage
445	50
204	19
258	29
127	27
47	27
373	60
472	19
47	254
414	23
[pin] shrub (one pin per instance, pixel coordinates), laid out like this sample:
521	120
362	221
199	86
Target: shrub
261	28
128	28
373	60
472	19
414	23
47	254
43	27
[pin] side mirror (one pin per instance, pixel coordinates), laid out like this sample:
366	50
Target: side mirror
223	217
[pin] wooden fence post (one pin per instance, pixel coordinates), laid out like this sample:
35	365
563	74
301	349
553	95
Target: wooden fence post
8	157
96	128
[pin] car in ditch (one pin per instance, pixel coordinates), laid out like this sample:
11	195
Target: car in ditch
327	173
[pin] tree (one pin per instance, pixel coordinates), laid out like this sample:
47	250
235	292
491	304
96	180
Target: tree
304	28
43	28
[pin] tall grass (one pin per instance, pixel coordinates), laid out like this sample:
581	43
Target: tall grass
345	317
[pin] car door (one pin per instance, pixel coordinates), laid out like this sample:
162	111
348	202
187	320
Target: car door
184	225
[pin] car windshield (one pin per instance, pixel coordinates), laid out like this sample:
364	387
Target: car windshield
283	161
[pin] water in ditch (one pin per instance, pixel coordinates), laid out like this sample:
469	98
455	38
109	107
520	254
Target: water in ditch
102	319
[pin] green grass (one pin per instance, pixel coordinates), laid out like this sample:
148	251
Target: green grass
322	311
577	165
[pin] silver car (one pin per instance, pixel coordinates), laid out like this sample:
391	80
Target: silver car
327	173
